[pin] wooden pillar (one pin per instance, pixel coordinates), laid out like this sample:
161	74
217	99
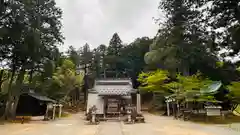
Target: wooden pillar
54	111
138	103
168	109
60	110
46	113
174	109
178	108
105	107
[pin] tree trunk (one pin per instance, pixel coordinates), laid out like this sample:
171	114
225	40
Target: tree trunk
104	73
9	101
178	109
85	86
1	79
31	75
185	71
104	66
17	90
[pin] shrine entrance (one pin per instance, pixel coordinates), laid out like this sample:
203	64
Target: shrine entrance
114	106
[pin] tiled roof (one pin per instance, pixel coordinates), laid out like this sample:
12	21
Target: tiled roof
114	91
113	81
113	87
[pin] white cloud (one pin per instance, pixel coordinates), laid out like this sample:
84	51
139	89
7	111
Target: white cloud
95	21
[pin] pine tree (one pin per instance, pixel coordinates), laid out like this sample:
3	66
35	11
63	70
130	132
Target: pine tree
115	45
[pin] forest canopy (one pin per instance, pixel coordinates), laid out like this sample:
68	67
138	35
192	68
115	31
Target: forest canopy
183	57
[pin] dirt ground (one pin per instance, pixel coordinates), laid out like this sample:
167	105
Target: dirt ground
75	125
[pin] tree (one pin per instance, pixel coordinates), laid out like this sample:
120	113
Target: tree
102	51
153	81
133	58
97	63
33	30
225	14
234	94
115	45
74	55
4	75
113	57
182	44
85	55
219	19
86	61
64	81
183	87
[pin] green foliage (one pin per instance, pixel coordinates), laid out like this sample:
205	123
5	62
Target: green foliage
64	80
133	56
30	32
180	45
219	64
184	87
115	45
153	81
238	69
4	87
234	89
74	55
226	16
189	86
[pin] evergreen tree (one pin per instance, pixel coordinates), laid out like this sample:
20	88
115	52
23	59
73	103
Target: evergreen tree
115	45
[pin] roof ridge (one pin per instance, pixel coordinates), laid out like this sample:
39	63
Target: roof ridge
113	79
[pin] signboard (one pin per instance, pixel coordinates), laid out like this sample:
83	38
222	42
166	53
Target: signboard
213	112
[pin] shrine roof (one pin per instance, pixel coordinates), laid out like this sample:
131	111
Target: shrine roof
114	90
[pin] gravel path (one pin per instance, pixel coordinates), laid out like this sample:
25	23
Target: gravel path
75	125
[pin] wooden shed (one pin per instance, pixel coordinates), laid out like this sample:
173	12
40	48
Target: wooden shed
32	104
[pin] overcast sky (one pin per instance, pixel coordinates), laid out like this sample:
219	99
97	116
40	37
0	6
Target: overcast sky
95	21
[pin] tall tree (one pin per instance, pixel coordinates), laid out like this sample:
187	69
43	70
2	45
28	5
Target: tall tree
133	58
102	50
74	55
115	45
180	43
33	30
96	62
224	21
113	59
86	61
85	54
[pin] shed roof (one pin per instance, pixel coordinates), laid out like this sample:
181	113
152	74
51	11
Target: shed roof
41	97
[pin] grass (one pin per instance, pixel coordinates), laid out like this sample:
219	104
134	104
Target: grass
65	115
